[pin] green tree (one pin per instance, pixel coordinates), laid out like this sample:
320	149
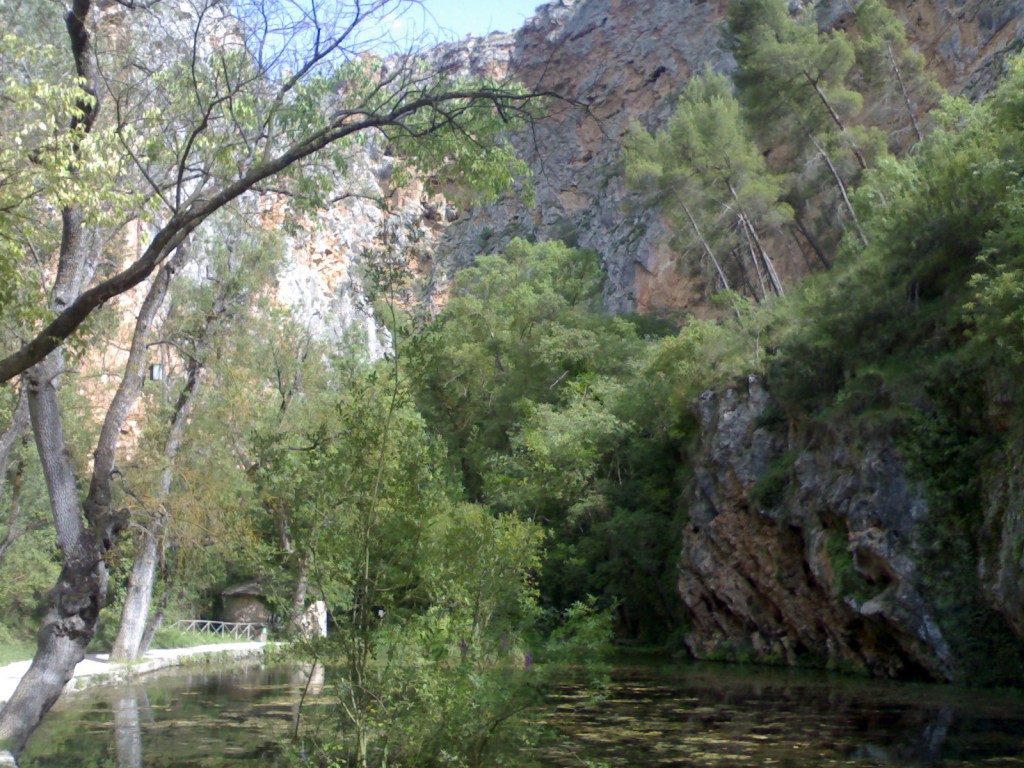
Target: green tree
429	595
789	72
517	329
792	82
237	264
890	68
713	182
227	110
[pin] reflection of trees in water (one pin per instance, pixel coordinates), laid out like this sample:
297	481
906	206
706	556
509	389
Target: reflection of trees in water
737	717
125	705
310	679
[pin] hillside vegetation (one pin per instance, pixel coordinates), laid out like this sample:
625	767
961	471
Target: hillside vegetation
516	479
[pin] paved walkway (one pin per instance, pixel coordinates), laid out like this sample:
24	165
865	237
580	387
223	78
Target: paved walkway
96	668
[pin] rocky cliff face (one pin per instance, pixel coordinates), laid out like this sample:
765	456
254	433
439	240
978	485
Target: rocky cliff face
816	548
625	61
799	547
629	61
1001	565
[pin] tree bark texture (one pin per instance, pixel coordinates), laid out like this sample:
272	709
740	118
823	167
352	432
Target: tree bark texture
81	589
141	580
76	599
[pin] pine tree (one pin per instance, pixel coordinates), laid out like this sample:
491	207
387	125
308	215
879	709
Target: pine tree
890	69
712	179
791	80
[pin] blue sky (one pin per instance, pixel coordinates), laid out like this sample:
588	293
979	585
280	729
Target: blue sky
458	18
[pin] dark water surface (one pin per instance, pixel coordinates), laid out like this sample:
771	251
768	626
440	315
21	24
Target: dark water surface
666	715
720	715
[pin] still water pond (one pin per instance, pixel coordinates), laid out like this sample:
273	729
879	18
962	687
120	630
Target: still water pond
653	715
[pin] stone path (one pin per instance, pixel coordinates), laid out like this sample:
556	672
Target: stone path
96	668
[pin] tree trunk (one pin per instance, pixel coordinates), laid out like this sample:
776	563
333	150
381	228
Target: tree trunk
704	244
800	227
299	596
81	589
769	265
752	236
835	118
842	188
903	91
155	621
135	612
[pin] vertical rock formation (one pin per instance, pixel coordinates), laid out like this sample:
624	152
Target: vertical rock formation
624	61
815	544
804	549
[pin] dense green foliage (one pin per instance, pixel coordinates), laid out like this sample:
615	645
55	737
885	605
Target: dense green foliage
914	336
546	404
510	482
914	339
712	179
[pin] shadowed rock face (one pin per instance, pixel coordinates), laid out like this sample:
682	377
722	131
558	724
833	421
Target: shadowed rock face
801	550
1001	566
630	60
626	60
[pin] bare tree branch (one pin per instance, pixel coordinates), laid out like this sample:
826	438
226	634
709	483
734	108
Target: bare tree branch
195	212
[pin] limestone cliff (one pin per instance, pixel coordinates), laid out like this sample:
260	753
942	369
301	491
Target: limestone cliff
816	546
625	61
630	60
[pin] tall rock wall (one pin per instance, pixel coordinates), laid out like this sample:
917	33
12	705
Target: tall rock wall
817	547
629	61
622	60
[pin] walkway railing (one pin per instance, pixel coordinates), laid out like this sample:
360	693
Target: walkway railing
237	630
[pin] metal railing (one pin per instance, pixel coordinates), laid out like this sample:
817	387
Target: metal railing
236	629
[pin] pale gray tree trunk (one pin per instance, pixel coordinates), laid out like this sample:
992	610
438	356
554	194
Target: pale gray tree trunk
139	599
155	622
911	111
757	249
127	728
81	588
76	599
835	119
136	633
841	186
704	243
135	611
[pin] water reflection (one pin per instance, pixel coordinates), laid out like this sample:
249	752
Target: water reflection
223	718
651	715
713	715
125	704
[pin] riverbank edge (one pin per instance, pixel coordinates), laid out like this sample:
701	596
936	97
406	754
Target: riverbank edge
97	669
